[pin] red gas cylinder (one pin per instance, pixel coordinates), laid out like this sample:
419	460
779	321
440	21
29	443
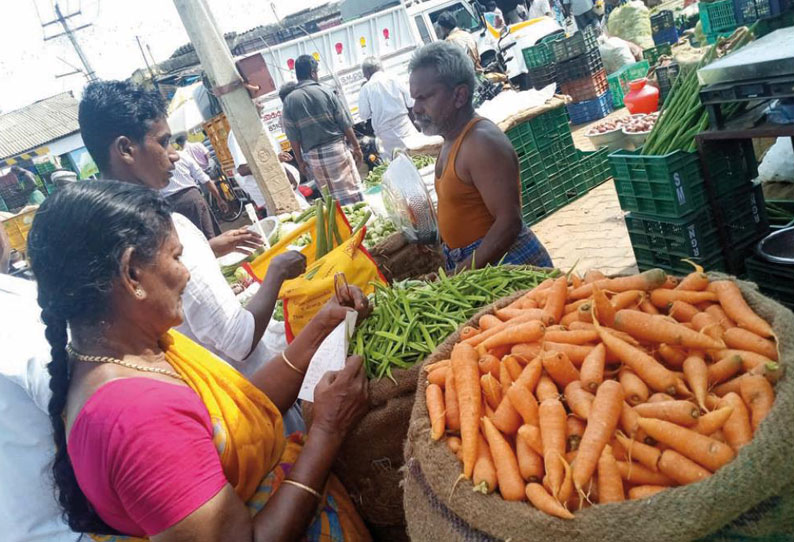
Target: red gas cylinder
642	98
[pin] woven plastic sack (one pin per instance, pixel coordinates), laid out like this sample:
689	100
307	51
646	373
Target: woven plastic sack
632	22
749	499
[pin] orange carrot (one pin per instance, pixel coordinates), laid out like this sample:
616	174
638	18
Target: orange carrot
572	337
639	474
629	421
505	380
655	375
682	311
628	299
546	389
484	475
681	469
696	280
467	387
524	403
734	305
610	484
530	463
552	433
530	374
592	371
491	390
679	412
507	314
438	376
581	326
699	448
490	364
719	315
647	280
451	403
664	298
513	367
737	429
750	360
506	418
758	394
531	435
480	337
525	332
574	429
555	303
634	388
659	329
575	352
487	321
674	357
604	310
593	275
430	367
511	485
741	339
724	369
647	307
697	377
544	502
585	312
468	331
579	401
646	455
713	421
559	368
454	444
570	319
574	306
660	397
643	491
601	424
434	397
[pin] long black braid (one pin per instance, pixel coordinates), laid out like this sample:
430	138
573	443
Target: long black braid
75	247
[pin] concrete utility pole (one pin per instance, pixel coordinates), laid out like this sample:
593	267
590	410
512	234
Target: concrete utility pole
69	32
216	59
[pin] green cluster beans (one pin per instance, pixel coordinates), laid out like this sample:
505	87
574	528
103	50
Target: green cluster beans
411	318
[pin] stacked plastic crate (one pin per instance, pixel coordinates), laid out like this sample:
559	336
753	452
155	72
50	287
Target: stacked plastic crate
553	172
580	72
619	81
541	66
663	27
670	218
717	19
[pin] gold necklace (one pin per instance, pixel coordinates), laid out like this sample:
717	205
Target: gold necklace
105	359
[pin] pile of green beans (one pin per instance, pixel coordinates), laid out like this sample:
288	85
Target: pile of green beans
411	318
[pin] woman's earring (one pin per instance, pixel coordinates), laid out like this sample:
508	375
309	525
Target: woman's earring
139	293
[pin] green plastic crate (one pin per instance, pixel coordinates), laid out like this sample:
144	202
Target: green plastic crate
744	215
774	280
538	55
653	54
730	164
717	16
538	133
619	80
594	167
664	242
667	186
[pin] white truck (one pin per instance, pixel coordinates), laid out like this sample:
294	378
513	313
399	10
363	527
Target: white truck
392	35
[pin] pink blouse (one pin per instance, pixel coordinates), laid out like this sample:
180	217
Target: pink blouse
142	452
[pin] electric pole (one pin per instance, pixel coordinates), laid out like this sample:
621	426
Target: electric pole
146	60
69	32
229	88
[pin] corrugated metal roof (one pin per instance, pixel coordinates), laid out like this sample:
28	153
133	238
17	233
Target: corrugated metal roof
37	124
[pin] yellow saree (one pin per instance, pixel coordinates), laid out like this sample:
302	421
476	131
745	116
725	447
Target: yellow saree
249	437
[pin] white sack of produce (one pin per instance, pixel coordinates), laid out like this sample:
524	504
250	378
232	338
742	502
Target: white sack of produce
778	163
615	53
632	22
509	102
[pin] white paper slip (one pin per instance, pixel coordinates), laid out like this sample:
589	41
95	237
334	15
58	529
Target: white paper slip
330	356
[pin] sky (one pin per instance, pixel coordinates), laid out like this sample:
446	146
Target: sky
28	64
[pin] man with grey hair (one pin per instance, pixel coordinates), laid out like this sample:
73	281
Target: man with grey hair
386	100
477	173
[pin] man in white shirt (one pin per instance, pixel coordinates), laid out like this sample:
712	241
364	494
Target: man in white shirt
582	11
539	8
185	197
28	509
386	101
135	147
196	150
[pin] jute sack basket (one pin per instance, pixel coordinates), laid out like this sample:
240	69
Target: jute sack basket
751	498
370	461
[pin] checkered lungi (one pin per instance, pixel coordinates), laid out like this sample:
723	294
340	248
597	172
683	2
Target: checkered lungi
527	250
333	167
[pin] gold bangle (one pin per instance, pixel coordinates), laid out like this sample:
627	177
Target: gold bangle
290	365
303	487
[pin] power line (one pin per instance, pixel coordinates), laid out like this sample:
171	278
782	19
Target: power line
69	32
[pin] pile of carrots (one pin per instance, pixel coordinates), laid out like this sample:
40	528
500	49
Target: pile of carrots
596	390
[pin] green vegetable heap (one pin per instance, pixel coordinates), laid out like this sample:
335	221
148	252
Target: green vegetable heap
375	176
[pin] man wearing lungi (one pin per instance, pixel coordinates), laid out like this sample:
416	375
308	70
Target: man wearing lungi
317	125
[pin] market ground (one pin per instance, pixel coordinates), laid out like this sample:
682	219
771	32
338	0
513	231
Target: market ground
589	233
